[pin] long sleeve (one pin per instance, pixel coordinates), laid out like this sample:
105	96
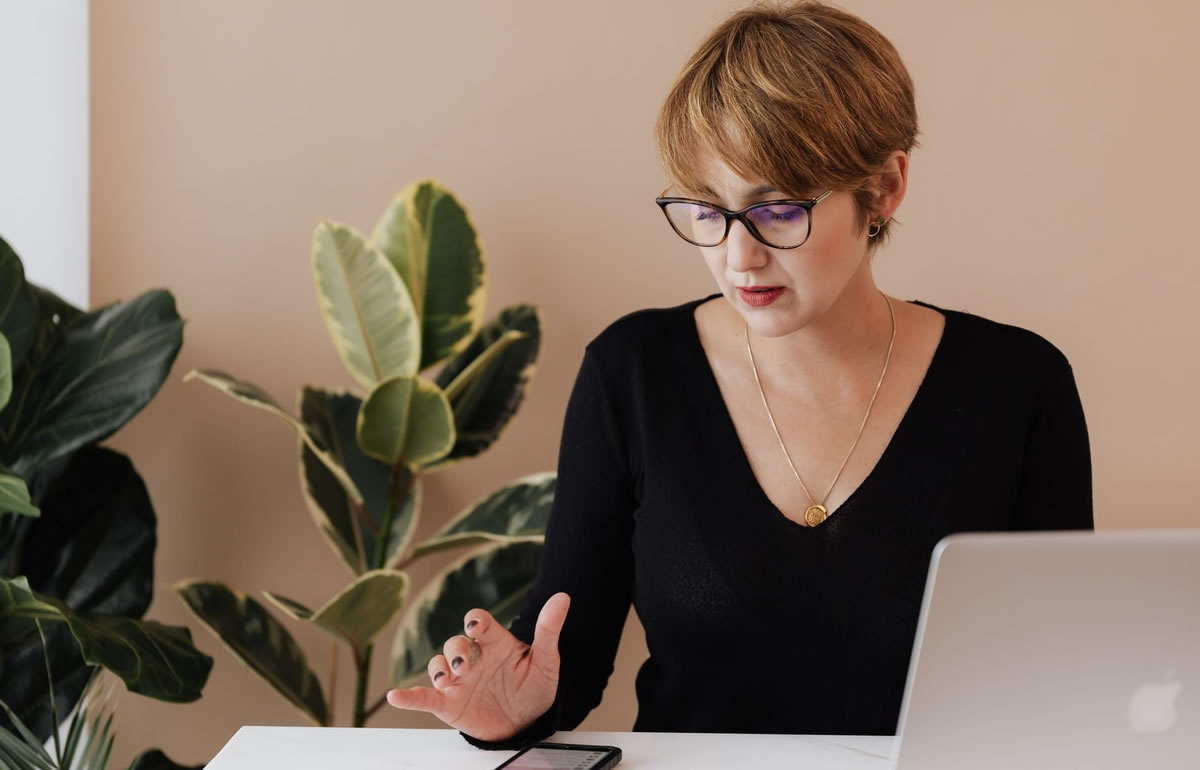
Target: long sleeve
658	506
1056	485
588	554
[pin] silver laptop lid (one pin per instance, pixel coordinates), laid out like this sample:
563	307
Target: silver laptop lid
1057	650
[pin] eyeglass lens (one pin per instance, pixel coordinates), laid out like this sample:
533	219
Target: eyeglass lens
780	225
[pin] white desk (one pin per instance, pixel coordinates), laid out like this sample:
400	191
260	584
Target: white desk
325	748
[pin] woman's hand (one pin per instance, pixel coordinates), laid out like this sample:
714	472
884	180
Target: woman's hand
496	687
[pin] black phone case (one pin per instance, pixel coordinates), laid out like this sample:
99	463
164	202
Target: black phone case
610	760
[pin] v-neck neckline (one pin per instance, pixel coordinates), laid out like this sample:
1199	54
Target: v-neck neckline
729	430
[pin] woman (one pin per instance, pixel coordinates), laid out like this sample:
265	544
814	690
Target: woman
764	473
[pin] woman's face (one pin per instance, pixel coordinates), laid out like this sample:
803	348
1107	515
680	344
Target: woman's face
778	291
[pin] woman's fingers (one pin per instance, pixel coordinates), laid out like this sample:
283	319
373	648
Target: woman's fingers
439	671
462	653
417	699
479	624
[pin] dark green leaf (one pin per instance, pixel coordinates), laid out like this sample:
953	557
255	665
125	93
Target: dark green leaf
483	406
94	546
153	659
17	305
517	511
53	312
94	549
259	641
496	578
331	419
104	369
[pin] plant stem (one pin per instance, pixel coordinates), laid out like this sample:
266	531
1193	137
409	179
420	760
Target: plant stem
375	707
362	662
333	667
385	527
360	512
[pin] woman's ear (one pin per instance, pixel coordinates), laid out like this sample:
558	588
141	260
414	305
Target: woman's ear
893	182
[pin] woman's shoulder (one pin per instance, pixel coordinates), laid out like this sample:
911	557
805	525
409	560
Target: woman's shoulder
655	329
995	344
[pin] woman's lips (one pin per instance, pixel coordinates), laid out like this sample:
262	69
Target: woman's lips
759	296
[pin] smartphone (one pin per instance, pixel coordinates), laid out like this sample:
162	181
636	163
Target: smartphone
564	756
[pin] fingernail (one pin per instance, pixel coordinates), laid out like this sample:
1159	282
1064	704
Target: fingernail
472	624
438	675
454	664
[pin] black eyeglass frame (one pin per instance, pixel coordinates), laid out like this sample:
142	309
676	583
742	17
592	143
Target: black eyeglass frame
741	216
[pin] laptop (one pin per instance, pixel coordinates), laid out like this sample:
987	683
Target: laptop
1057	650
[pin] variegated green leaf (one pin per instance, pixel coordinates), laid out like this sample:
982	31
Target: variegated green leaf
249	393
256	639
367	308
365	607
428	237
516	512
360	611
488	396
480	364
290	607
152	659
383	419
496	577
331	418
406	419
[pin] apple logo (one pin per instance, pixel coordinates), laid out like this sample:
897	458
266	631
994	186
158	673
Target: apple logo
1152	707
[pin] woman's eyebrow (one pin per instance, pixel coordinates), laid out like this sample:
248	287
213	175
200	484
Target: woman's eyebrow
763	189
754	192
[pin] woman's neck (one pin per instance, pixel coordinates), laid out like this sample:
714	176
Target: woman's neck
841	350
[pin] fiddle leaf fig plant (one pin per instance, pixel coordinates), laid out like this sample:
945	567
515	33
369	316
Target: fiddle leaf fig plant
77	528
405	300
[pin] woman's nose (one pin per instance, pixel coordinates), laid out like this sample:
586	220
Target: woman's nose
744	252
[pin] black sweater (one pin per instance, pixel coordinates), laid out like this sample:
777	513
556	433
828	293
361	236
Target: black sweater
753	622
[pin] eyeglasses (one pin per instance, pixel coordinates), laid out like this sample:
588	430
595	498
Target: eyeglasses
783	224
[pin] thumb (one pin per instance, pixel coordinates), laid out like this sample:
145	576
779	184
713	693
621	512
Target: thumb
549	625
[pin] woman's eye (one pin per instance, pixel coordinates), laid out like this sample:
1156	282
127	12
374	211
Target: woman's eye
784	214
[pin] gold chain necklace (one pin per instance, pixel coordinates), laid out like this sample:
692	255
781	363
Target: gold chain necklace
817	512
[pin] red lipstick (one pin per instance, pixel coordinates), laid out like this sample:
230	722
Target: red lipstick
759	296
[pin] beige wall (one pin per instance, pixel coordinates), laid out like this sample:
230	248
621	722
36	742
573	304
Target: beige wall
1056	188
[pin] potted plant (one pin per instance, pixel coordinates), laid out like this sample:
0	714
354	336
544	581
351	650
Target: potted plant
77	528
406	300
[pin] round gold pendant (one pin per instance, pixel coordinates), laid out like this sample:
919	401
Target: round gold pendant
816	514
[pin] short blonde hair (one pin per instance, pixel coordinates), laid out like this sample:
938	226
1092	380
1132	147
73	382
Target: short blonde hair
803	96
